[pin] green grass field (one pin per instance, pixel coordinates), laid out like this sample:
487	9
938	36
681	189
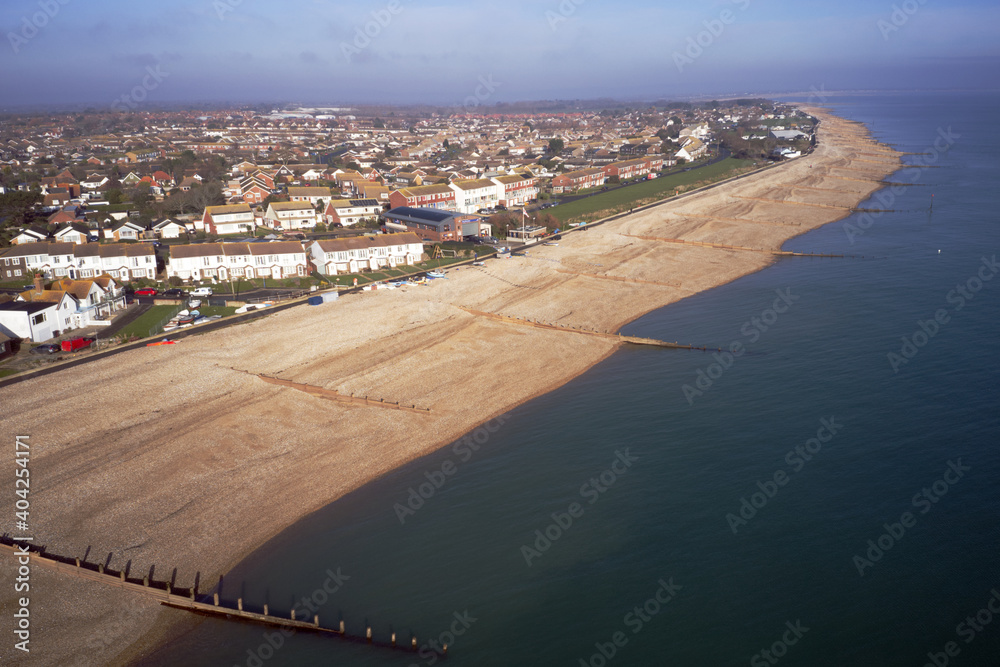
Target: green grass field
142	324
647	192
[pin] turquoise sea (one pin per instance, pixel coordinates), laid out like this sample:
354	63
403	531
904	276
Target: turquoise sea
819	502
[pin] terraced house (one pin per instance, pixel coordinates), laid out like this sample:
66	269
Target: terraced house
424	196
230	261
123	262
365	253
472	195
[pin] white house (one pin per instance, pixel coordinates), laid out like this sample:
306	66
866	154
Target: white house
313	195
34	321
348	212
470	196
233	219
72	232
351	255
231	261
168	228
290	215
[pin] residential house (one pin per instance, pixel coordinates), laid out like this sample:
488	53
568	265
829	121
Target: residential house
72	232
13	266
365	253
168	228
232	261
97	299
575	180
473	195
634	168
34	321
33	234
517	190
348	212
126	230
232	219
313	195
691	150
286	215
424	196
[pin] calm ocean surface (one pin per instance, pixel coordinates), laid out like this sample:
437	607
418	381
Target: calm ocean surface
791	563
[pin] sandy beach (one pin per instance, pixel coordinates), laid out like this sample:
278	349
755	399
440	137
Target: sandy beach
182	457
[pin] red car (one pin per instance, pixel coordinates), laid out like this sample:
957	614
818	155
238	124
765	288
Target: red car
76	344
148	291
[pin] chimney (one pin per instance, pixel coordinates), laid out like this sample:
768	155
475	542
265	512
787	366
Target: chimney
39	287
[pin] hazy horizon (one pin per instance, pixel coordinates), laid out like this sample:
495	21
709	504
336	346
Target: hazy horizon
68	53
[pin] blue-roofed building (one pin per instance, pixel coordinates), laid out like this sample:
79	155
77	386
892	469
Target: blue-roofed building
435	224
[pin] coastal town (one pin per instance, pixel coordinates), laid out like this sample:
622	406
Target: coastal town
98	207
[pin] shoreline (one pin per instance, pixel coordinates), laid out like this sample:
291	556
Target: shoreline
391	357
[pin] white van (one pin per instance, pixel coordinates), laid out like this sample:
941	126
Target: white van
202	291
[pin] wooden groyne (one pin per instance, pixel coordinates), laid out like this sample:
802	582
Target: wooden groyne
617	337
189	599
334	395
725	246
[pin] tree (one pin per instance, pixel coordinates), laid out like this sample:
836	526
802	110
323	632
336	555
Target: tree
115	196
378	124
556	145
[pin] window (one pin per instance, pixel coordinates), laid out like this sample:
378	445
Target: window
17	272
38	319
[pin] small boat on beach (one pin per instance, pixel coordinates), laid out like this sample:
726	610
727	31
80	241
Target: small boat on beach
435	274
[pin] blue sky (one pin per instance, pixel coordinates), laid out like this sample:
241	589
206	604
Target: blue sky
309	51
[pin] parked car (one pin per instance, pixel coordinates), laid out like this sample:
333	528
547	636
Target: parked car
201	291
74	344
175	293
48	348
148	291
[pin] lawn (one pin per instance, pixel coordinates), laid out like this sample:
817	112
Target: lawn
647	192
151	318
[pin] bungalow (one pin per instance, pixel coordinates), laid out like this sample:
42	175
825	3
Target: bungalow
73	232
362	253
30	235
234	219
290	215
126	230
231	261
348	212
168	228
